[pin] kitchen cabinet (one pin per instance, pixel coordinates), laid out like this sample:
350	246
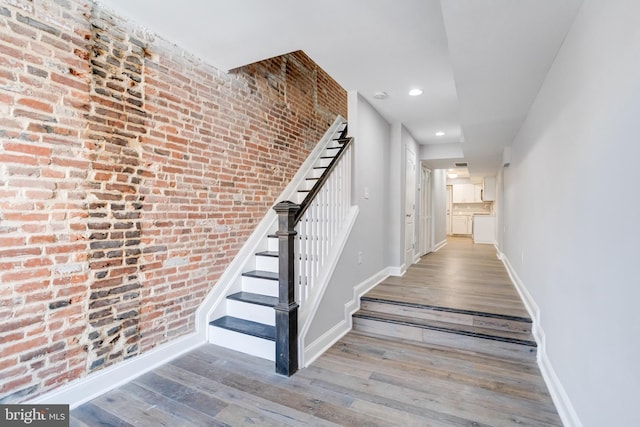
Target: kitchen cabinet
461	224
489	193
464	193
467	193
477	195
484	229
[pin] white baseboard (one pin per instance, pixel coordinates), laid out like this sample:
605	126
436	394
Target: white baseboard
324	342
85	389
329	338
559	396
396	271
440	245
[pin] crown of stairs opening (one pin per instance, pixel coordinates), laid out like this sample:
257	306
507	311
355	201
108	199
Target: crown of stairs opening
274	296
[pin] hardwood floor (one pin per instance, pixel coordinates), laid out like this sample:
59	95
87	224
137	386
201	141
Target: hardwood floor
363	380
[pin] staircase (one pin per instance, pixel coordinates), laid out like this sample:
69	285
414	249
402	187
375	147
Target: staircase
498	335
249	324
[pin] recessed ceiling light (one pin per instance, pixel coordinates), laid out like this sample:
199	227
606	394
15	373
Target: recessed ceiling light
380	95
415	92
440	133
452	175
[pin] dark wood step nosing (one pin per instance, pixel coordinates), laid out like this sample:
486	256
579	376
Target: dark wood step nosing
526	343
270	254
259	274
247	327
257	299
449	309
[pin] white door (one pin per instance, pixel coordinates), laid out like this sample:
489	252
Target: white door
410	208
426	245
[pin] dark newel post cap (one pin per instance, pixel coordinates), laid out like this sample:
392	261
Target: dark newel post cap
286	206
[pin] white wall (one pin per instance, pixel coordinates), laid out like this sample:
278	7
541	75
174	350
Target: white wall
571	208
372	153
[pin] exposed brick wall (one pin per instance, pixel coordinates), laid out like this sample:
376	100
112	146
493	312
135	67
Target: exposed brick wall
130	175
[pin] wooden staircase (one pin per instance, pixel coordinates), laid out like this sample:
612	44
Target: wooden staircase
250	322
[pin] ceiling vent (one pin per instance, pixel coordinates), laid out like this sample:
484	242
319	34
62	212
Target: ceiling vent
461	164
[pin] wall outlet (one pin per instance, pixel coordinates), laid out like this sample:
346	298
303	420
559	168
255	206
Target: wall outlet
360	257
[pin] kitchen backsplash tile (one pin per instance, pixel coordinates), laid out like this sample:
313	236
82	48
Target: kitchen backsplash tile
471	208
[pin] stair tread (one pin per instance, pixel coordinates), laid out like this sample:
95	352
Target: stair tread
247	327
269	275
473	331
449	309
273	254
252	298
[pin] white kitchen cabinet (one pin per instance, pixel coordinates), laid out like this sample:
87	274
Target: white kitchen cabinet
489	193
464	193
461	224
484	229
477	194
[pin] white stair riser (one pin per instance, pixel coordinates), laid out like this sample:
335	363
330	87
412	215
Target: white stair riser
260	286
273	244
316	173
267	263
308	184
247	344
252	312
300	197
323	162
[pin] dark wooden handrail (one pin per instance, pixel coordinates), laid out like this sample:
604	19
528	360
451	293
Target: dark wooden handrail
323	178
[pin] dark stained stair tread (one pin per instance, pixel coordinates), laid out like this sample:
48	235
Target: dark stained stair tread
449	309
252	298
269	275
273	254
247	327
470	331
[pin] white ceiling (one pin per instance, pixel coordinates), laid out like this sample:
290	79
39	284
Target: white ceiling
480	63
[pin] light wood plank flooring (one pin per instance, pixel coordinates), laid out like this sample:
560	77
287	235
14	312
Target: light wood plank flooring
363	380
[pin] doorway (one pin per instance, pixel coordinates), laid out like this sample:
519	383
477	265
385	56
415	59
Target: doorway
426	215
409	207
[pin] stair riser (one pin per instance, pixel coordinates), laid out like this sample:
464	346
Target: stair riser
247	344
273	244
316	173
253	312
260	286
445	316
446	339
267	263
323	162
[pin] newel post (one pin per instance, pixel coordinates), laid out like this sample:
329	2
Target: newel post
287	308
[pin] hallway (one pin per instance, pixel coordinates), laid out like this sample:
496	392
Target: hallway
364	379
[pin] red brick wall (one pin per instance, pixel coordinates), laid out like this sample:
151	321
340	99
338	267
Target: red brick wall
130	175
